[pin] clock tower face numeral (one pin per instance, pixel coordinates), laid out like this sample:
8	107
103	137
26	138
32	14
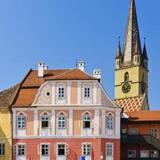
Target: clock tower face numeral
126	87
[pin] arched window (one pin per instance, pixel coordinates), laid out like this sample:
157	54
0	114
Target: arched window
44	120
61	120
126	77
86	118
21	121
109	121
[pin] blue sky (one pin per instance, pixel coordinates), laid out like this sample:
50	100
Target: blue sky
60	31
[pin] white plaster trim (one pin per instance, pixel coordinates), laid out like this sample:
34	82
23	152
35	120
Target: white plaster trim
39	93
68	92
70	122
53	90
14	122
79	96
103	122
95	93
65	137
35	122
53	121
96	122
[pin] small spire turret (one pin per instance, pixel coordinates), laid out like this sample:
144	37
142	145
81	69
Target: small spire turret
119	53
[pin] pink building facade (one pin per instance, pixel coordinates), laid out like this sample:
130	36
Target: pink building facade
64	115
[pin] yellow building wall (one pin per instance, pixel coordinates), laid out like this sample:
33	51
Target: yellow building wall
5	133
135	77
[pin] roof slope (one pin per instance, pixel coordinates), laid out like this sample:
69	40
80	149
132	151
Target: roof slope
132	104
6	96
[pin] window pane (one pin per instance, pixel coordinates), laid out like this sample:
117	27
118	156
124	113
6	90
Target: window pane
109	149
21	121
61	150
2	149
45	150
131	154
21	150
86	149
86	121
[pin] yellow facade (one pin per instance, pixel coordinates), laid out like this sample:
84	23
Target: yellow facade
137	76
5	133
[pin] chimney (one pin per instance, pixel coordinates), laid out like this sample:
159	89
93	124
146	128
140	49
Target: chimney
97	73
41	68
81	65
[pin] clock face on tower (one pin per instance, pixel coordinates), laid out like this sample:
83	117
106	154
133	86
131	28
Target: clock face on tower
126	87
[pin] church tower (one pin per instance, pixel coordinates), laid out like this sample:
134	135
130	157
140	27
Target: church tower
131	63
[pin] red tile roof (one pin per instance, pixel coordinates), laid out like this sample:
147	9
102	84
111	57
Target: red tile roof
7	95
130	104
30	84
144	115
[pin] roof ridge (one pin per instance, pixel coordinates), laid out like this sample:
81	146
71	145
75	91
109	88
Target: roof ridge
62	73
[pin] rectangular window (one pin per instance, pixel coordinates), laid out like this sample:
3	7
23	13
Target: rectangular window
21	150
87	92
154	154
61	149
86	149
21	122
109	149
45	121
2	148
133	131
86	121
61	93
131	154
44	149
144	154
154	132
61	122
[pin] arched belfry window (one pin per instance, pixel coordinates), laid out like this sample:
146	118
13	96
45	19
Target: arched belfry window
126	77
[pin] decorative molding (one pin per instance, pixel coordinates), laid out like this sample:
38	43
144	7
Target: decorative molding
35	122
79	95
70	122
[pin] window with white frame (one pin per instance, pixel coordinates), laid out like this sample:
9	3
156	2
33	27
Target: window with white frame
21	121
61	149
109	121
131	153
144	154
86	117
109	149
87	92
61	92
61	121
133	131
44	149
86	149
44	120
21	149
2	148
154	154
154	132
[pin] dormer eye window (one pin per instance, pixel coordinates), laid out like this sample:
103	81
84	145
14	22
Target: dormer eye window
87	92
61	93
